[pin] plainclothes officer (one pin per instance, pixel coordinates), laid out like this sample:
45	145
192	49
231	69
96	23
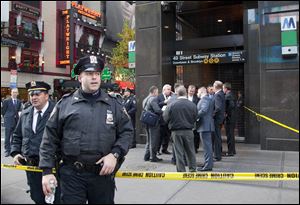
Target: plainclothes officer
28	134
92	131
10	111
130	105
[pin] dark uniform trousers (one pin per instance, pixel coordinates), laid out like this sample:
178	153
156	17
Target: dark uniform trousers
79	186
34	180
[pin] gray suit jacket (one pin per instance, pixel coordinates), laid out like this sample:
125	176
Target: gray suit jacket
205	115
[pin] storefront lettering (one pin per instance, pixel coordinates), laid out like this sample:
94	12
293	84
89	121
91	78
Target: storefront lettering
86	11
26	9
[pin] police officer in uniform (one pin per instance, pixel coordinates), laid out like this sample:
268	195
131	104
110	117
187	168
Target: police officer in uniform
28	135
92	131
130	105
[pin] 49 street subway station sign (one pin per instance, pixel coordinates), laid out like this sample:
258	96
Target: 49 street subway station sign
210	58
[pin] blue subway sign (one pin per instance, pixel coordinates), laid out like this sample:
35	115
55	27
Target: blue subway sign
288	23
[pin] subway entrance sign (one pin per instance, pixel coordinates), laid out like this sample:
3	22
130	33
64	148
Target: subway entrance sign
210	58
289	42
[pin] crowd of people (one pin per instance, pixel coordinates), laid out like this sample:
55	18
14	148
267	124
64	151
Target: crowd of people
87	133
187	118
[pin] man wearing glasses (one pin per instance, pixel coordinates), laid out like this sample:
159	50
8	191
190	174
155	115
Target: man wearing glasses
28	135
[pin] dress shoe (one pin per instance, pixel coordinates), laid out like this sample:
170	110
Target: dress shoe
146	158
156	159
217	160
227	155
158	153
200	165
132	146
204	169
166	152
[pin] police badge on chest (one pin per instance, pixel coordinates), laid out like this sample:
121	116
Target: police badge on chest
109	117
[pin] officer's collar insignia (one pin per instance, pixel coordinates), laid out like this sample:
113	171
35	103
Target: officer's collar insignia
33	83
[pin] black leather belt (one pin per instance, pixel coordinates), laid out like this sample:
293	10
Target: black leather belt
84	167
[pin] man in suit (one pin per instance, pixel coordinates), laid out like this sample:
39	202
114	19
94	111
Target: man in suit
193	98
165	133
27	137
10	111
206	127
230	118
218	115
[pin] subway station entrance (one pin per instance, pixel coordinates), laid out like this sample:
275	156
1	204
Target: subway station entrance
195	32
209	46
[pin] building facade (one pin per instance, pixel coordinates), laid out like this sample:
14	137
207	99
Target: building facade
43	39
252	45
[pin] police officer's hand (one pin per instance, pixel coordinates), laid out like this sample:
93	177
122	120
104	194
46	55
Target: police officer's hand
109	163
46	183
17	158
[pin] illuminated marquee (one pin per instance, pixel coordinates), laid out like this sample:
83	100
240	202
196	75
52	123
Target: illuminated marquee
86	11
67	33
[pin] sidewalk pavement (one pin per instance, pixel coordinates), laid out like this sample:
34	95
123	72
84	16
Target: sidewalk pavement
249	158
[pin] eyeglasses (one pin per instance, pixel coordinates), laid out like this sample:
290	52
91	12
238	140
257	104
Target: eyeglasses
36	92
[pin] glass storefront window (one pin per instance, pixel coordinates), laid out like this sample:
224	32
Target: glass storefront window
30	30
30	62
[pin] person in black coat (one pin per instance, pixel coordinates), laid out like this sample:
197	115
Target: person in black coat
230	118
130	105
27	137
219	113
10	111
92	132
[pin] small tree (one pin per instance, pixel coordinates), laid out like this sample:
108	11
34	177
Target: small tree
120	54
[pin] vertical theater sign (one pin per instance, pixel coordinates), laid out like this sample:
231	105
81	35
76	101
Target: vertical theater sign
74	44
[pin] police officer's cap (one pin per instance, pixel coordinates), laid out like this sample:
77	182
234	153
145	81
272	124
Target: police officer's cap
128	90
35	87
89	63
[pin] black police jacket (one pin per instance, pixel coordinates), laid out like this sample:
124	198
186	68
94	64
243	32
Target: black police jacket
78	127
24	140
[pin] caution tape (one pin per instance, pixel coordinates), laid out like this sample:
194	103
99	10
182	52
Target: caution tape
271	120
211	176
193	176
23	167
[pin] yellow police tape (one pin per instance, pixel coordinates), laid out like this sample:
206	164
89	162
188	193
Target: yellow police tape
199	176
271	120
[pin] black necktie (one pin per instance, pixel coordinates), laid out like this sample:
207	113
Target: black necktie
39	118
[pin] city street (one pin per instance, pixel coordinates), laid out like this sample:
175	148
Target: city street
249	158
